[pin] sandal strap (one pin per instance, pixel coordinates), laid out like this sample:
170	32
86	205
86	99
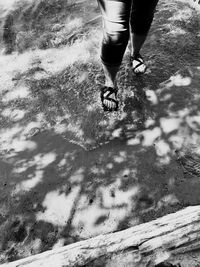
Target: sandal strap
139	59
110	91
138	65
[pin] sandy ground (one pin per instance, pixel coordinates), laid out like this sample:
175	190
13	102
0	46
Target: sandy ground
69	171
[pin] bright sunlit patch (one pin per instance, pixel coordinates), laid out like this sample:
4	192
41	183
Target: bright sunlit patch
177	31
112	196
19	92
117	132
96	170
22	145
162	148
73	23
110	205
177	141
133	141
78	176
151	96
170	199
58	207
14	115
13	139
193	122
29	127
149	122
82	77
126	172
62	163
161	256
169	125
60	243
184	13
56	60
40	162
43	160
9	3
149	136
96	220
7	134
119	159
75	129
21	166
109	166
30	183
60	128
165	160
178	80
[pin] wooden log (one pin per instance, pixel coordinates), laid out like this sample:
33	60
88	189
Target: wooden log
174	233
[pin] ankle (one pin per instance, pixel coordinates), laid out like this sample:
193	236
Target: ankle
110	84
135	54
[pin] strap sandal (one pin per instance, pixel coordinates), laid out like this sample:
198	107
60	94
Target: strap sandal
106	93
138	65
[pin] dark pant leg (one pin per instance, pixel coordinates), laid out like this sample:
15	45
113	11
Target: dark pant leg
116	17
142	14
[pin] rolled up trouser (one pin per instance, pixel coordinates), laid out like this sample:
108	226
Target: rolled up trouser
118	16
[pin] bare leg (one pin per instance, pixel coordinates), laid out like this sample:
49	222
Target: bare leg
137	42
142	14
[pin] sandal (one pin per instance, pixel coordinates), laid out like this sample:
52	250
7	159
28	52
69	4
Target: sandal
105	95
137	61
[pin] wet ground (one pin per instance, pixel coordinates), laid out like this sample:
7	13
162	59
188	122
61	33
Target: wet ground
68	170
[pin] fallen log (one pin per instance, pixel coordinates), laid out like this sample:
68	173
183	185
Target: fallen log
172	234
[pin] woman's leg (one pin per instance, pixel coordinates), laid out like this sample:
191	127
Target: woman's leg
142	14
115	14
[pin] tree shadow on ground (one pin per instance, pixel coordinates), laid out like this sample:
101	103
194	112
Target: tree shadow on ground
69	171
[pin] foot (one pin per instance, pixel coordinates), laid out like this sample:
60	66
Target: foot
138	65
109	98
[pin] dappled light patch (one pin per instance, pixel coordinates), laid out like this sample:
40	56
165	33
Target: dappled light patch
39	161
149	136
177	80
78	176
112	196
27	185
30	128
117	132
58	207
134	141
120	158
162	148
149	122
176	31
161	256
60	243
167	200
43	160
184	14
21	145
96	220
13	115
19	92
151	96
169	125
109	165
193	122
12	141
